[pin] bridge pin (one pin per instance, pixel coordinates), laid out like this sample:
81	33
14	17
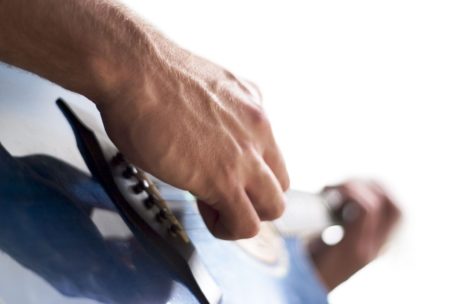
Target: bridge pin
141	186
149	202
162	215
129	172
174	230
118	159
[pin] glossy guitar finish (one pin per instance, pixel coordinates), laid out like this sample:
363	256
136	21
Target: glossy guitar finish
64	241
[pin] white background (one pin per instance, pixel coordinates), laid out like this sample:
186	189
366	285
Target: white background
353	89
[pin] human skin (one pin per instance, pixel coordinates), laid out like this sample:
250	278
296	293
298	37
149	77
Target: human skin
186	120
375	215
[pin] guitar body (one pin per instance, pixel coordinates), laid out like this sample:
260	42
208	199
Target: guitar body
63	240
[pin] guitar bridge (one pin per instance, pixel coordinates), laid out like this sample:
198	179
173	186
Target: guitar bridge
138	201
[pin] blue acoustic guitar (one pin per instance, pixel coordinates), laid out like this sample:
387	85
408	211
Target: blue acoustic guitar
80	224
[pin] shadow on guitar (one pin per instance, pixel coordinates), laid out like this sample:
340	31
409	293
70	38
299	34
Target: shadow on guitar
45	225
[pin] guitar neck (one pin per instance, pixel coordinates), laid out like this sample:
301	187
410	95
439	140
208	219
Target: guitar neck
307	215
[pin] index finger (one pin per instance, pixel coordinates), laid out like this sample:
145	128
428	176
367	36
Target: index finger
231	218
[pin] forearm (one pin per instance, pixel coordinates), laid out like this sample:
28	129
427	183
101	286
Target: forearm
89	46
186	120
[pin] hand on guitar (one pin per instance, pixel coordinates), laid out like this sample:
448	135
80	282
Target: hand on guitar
182	118
197	127
373	216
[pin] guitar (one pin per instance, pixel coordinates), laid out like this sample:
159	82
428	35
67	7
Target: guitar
80	224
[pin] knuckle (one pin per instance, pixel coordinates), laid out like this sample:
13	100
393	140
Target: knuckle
230	76
229	189
229	170
229	175
257	116
247	148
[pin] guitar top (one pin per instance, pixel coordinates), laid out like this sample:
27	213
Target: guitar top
73	230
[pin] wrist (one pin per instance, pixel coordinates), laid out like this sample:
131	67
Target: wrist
118	74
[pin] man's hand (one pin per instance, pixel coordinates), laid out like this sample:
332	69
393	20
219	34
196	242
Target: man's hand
196	126
373	217
185	120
